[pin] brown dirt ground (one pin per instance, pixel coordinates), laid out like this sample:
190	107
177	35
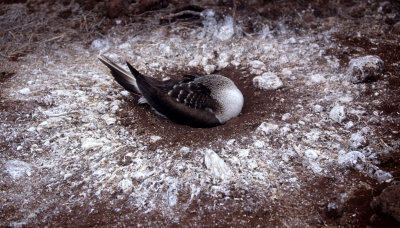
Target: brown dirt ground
355	212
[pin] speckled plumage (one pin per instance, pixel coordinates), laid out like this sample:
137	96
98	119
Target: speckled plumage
198	101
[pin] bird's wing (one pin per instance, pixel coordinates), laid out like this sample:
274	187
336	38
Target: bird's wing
182	101
193	95
121	76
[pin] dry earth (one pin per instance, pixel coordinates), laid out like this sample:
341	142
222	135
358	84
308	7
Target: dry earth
78	150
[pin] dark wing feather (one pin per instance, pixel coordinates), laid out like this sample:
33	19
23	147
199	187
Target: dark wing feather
193	95
182	101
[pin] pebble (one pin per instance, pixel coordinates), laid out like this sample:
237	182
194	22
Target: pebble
286	116
352	160
286	73
312	154
358	140
217	167
125	93
209	69
257	64
365	68
126	185
338	114
25	91
114	109
243	152
185	149
318	109
259	144
90	143
226	31
317	78
267	81
349	125
382	176
266	128
110	121
17	169
101	45
155	138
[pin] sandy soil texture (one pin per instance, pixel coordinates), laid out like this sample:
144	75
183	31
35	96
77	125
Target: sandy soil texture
317	142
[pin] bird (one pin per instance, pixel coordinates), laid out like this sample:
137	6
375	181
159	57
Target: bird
200	101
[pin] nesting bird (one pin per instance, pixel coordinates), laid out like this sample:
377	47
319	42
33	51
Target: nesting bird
197	101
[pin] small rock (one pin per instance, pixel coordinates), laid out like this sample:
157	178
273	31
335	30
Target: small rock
17	169
358	140
31	129
352	160
90	143
25	91
365	68
259	144
257	64
346	99
243	152
226	31
209	69
349	125
126	185
110	121
286	73
154	138
100	45
267	81
382	176
338	114
114	109
312	154
185	150
223	60
317	78
284	130
217	167
318	109
388	202
286	116
230	142
125	93
266	128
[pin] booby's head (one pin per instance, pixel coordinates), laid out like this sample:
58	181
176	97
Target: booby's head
226	93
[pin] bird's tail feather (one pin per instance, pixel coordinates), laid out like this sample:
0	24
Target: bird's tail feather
133	70
121	76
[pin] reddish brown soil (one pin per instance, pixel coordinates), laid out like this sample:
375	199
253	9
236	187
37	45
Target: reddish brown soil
227	210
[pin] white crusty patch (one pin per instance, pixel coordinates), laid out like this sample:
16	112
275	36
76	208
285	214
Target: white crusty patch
216	166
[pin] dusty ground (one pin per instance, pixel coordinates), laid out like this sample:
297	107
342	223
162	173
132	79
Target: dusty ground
75	149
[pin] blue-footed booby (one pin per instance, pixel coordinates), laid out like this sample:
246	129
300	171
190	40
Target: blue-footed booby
197	101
